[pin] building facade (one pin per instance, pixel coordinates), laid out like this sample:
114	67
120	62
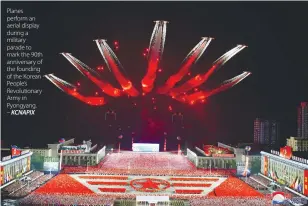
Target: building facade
302	120
211	162
266	132
56	146
253	157
45	152
14	167
82	159
298	144
285	170
66	153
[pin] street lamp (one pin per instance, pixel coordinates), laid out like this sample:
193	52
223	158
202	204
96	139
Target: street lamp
87	165
179	145
112	113
120	137
133	133
210	167
165	141
247	149
180	115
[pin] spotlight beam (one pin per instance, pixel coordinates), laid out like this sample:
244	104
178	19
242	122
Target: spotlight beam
188	62
202	95
93	76
71	90
156	49
202	78
115	66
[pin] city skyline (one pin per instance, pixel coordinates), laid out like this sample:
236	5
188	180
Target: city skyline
266	132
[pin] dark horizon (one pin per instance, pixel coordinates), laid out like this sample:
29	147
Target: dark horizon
275	33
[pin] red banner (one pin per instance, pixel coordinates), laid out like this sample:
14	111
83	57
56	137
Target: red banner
211	150
286	152
222	155
28	164
265	166
306	182
2	175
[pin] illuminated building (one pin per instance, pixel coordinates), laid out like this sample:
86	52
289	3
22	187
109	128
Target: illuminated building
210	162
253	155
266	132
68	153
286	169
217	158
78	157
83	154
302	120
13	166
45	152
298	143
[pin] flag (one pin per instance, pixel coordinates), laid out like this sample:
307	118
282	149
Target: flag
300	187
296	184
61	140
15	151
293	183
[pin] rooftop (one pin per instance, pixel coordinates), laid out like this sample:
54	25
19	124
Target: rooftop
297	154
298	138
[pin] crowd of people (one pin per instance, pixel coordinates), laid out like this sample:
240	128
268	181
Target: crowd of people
194	179
146	172
31	186
67	190
191	185
188	191
104	177
107	183
258	178
106	199
158	164
261	179
254	184
234	187
69	187
153	160
230	201
112	189
21	183
64	184
66	199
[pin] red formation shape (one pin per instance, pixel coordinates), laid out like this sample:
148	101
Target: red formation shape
234	187
63	184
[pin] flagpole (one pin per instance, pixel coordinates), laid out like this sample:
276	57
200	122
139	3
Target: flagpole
210	168
60	161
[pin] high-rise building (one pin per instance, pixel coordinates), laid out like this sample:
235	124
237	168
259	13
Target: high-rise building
266	132
298	144
302	120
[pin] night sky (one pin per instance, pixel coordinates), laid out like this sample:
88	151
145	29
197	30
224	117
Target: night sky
276	34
